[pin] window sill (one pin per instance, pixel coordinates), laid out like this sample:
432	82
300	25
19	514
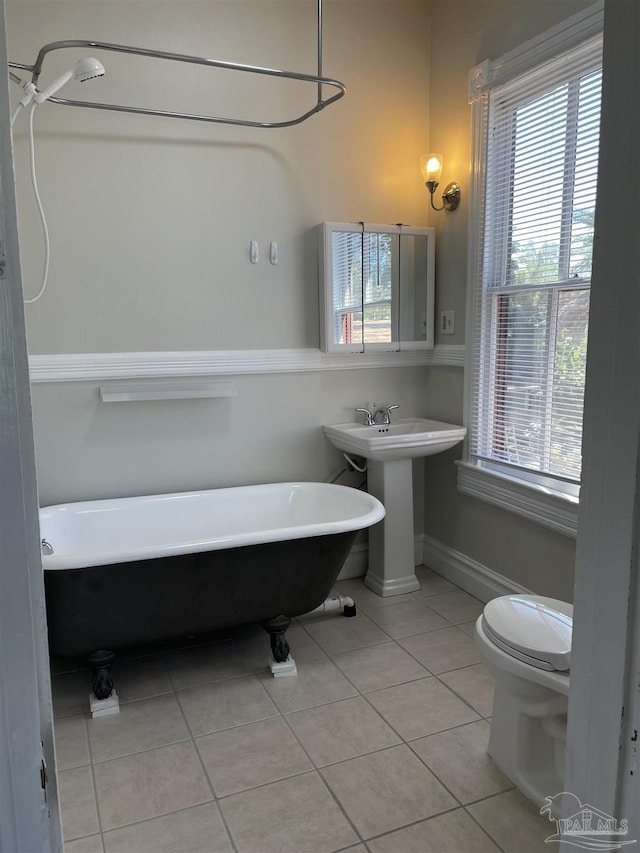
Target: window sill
536	503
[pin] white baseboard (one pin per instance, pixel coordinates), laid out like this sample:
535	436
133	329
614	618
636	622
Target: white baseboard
463	571
467	573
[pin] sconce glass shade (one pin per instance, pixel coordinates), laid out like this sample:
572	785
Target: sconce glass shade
431	167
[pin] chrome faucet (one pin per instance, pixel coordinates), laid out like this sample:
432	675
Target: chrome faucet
47	548
383	412
368	417
381	415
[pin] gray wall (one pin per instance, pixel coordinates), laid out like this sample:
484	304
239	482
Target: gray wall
463	34
151	221
270	432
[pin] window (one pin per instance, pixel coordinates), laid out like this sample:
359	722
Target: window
377	287
531	272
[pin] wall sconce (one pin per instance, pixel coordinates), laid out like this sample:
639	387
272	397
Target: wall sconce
431	168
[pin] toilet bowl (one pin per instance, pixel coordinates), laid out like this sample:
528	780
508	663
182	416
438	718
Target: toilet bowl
525	641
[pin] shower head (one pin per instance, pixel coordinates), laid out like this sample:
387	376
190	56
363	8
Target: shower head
88	68
84	69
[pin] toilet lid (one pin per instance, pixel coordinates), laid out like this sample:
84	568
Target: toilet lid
532	628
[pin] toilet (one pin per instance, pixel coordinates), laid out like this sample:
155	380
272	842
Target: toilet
525	641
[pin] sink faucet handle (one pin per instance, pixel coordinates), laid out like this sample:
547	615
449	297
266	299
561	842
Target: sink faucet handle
368	417
385	413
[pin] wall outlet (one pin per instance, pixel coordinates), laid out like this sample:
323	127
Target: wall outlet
447	322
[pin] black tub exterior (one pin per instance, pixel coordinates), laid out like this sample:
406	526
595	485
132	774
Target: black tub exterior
125	605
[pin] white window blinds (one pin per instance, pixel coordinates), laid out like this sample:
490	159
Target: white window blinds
534	271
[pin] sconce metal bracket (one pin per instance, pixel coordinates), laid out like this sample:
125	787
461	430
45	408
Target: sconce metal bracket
451	196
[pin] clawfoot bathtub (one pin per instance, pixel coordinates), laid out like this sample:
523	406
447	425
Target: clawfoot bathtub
125	572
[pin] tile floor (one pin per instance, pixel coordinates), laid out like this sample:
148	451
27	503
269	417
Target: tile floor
378	744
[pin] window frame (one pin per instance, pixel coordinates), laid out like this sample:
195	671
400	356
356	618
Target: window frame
538	497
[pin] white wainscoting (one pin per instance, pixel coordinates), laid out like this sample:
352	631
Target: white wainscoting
87	367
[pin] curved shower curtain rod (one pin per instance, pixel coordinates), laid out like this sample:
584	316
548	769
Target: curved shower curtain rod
318	80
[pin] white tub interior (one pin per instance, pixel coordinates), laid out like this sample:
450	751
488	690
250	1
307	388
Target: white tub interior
120	530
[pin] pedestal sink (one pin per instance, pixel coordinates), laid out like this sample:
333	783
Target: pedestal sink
389	449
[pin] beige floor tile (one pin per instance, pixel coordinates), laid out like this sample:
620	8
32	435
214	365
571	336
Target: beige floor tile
77	803
431	583
144	724
379	666
140	678
257	650
72	744
514	822
89	844
150	784
223	704
335	633
293	816
457	606
386	790
421	708
407	618
453	832
159	800
341	730
443	650
317	682
70	692
460	760
197	665
303	647
196	830
252	755
474	684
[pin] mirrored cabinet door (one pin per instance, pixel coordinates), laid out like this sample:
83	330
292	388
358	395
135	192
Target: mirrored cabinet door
376	284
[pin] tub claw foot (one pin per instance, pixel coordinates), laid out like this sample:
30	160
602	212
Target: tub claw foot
279	647
102	682
276	628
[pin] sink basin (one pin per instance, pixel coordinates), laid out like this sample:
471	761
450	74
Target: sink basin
405	438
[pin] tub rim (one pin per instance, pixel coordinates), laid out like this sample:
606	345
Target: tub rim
374	512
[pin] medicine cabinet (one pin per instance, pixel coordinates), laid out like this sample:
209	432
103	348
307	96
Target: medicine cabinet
376	287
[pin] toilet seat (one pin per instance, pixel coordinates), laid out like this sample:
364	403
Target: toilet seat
534	629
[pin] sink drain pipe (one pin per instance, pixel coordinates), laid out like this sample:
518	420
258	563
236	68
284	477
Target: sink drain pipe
355	465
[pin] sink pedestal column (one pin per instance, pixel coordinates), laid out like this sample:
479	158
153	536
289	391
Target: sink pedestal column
391	560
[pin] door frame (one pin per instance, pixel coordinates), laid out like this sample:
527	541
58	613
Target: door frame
29	809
